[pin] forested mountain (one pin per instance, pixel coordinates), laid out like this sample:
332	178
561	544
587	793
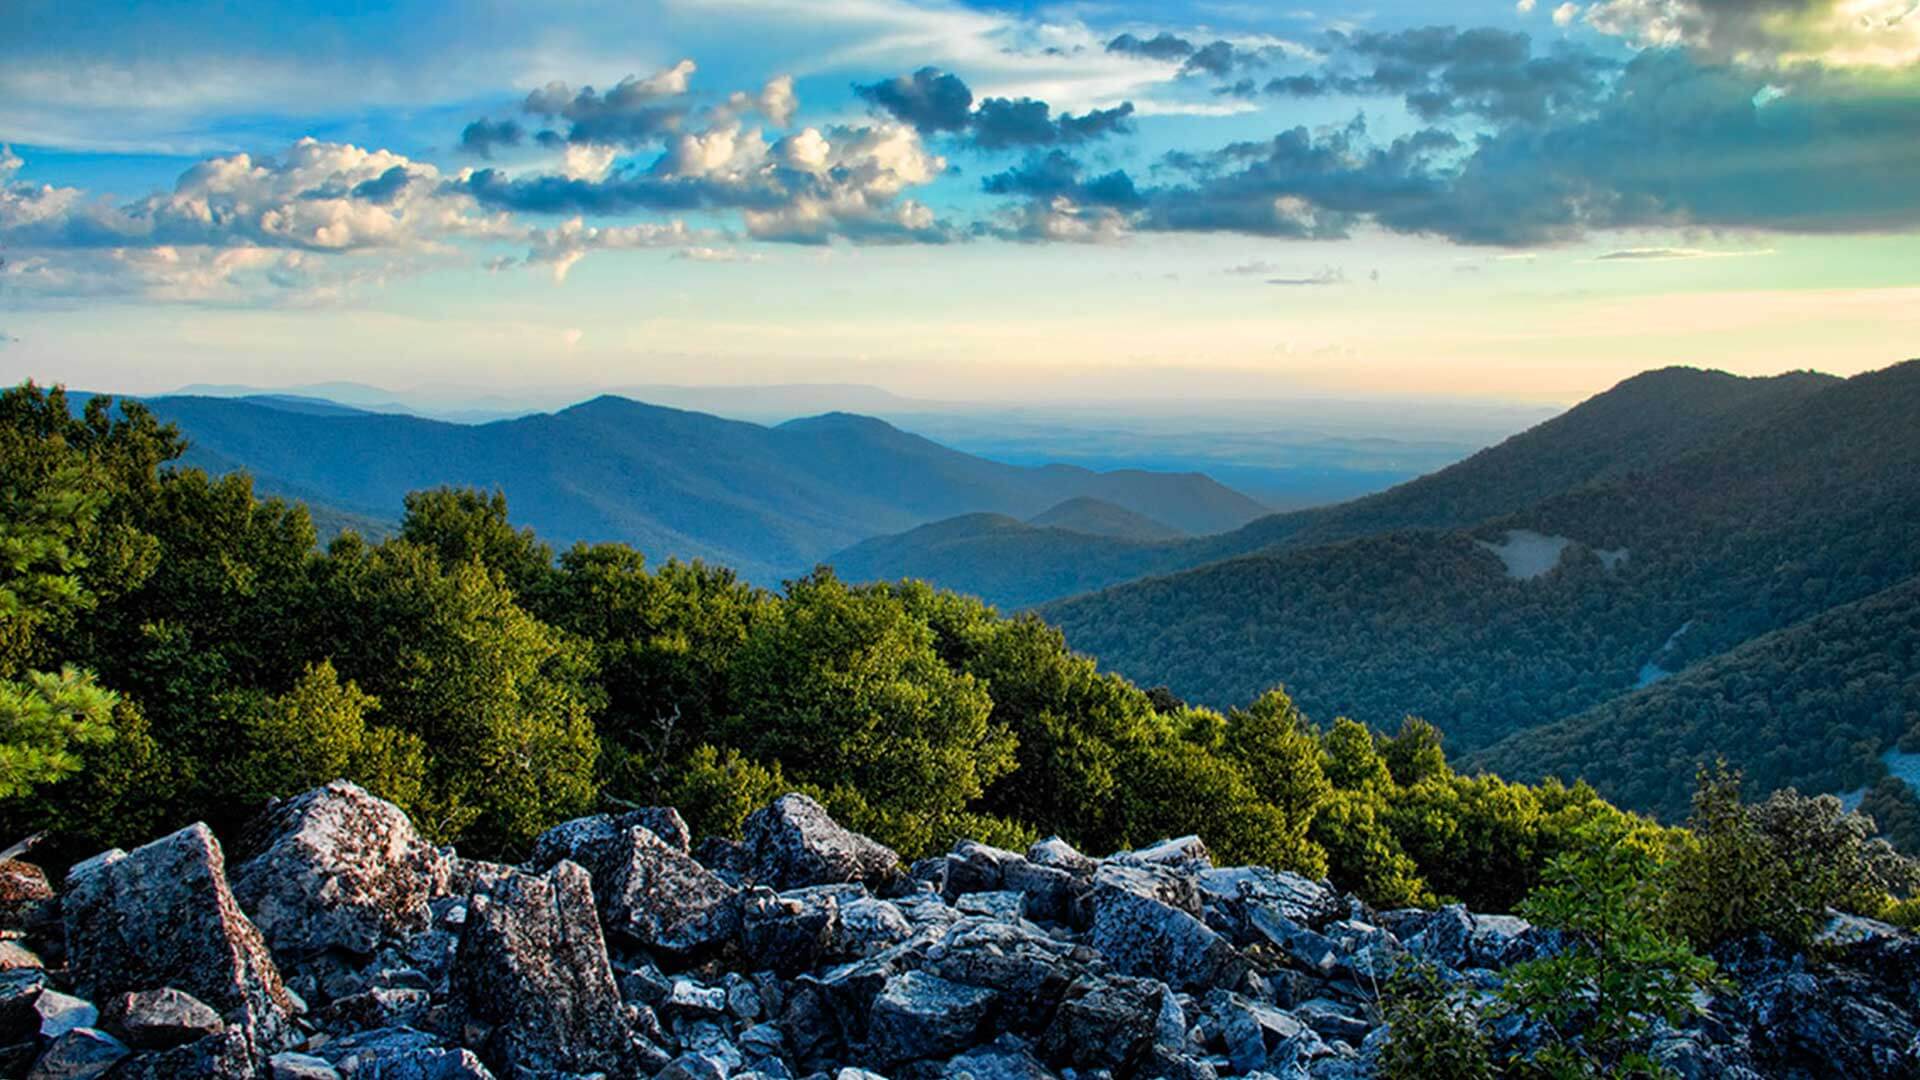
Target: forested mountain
1098	517
768	501
1643	422
1809	502
1812	705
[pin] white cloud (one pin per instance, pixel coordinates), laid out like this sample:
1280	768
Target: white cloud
561	247
9	162
1566	13
777	100
237	220
586	161
716	255
1524	7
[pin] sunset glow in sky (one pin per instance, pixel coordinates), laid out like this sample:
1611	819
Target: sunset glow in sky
973	201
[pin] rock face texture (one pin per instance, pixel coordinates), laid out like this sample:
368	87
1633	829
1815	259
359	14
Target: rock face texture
337	868
803	951
163	916
532	974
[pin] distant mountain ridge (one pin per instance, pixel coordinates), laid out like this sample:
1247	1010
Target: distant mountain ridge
768	501
1644	421
1695	516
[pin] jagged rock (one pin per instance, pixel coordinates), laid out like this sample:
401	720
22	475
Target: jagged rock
1105	1023
1251	1030
792	932
1313	953
1060	855
1050	891
288	1065
1831	1027
794	843
972	867
353	1051
80	1054
1030	970
1140	934
433	1063
1231	894
1187	854
161	1019
1333	1020
532	967
918	1015
869	926
337	868
1459	938
1005	1058
658	897
1004	905
162	915
578	839
60	1013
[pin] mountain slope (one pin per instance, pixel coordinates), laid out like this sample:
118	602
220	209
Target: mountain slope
1812	705
767	501
1810	506
1098	517
1645	421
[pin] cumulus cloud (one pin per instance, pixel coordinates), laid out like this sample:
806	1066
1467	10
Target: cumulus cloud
930	99
562	247
1566	13
483	135
810	187
1874	33
638	111
240	218
933	101
9	162
777	101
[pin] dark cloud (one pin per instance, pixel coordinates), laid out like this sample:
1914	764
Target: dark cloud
1058	174
929	99
481	136
1000	123
626	191
1163	46
386	188
1443	72
1218	59
934	101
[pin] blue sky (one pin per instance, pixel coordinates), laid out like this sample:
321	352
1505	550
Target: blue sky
986	201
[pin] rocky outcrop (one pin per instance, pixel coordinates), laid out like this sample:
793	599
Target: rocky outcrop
163	916
532	982
337	868
804	951
793	843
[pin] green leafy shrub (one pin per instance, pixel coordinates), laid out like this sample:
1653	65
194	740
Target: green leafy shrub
1598	996
1433	1031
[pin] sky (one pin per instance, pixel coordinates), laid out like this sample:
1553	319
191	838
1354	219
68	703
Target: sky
1013	201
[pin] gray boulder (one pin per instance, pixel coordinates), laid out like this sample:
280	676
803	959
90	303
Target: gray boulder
1140	934
1030	970
1230	894
1105	1023
288	1065
60	1013
223	1056
162	915
790	932
20	990
655	895
1060	855
918	1015
80	1054
532	977
582	838
793	843
1005	1058
337	868
161	1019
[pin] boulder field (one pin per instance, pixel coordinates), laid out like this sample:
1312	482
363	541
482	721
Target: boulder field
337	943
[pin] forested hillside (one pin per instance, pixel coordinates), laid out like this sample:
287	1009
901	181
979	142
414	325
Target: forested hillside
1808	506
1642	423
1814	705
768	502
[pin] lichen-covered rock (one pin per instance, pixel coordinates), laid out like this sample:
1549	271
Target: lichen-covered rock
337	868
532	977
288	1065
1460	938
161	1019
918	1015
26	896
1188	854
60	1013
1029	969
582	839
793	843
1230	894
790	932
162	915
1830	1027
656	896
1060	855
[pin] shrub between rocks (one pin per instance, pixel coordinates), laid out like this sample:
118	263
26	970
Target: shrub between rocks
340	945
